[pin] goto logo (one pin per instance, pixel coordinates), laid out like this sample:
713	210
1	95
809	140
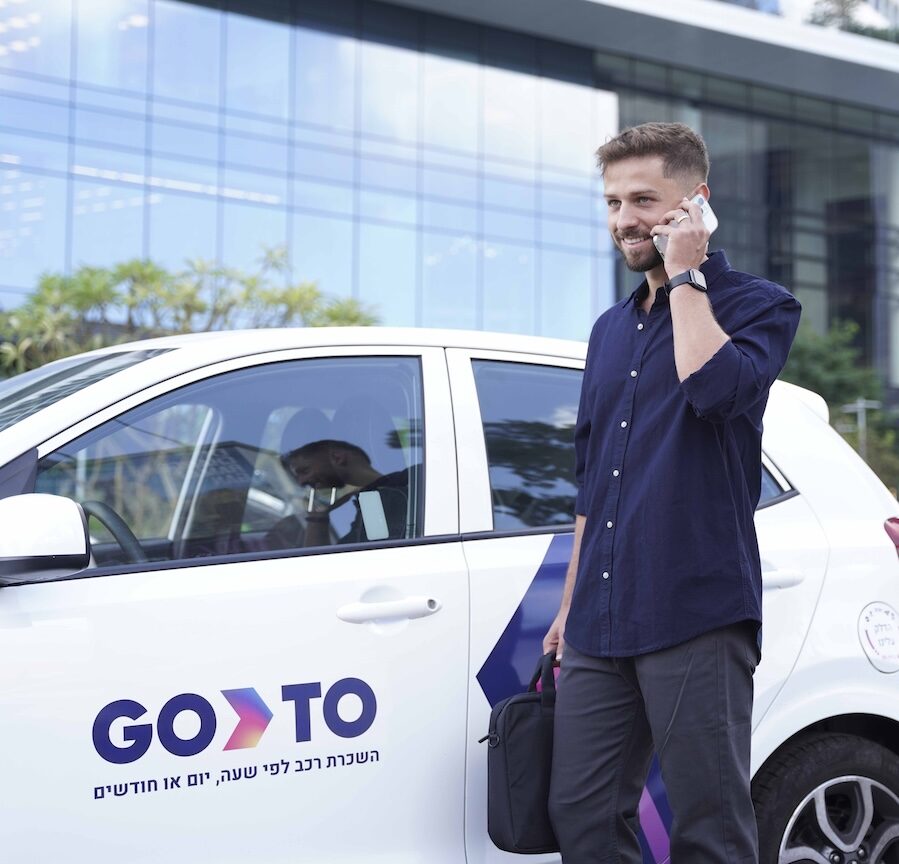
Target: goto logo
252	713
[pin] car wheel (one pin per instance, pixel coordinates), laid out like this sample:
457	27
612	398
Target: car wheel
828	799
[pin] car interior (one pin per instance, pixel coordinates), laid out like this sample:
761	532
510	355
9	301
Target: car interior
199	472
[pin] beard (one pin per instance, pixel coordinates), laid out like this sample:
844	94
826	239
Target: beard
328	480
639	262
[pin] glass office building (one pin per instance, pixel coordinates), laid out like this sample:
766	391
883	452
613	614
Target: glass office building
437	166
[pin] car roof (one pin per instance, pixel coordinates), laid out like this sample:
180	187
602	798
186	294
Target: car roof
171	356
241	342
809	398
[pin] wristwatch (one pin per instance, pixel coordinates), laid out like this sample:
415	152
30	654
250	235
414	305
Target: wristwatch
688	277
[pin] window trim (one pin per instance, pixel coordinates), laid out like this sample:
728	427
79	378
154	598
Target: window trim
785	496
775	472
787	490
242	558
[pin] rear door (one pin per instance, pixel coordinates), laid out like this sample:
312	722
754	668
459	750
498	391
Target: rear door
515	417
794	553
244	695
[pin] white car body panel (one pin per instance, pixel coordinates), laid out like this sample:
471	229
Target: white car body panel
152	632
794	558
501	574
239	626
832	675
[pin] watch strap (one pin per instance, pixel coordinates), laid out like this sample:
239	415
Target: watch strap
688	277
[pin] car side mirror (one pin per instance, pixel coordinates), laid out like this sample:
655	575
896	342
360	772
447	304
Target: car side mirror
42	537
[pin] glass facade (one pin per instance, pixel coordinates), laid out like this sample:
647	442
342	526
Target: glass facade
806	191
440	171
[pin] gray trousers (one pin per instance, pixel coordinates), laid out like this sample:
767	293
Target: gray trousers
692	705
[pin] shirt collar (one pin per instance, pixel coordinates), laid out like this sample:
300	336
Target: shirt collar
713	267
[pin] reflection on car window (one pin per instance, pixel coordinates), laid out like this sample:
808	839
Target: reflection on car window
282	456
528	412
136	464
26	394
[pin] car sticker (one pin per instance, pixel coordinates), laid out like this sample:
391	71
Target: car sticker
509	665
878	631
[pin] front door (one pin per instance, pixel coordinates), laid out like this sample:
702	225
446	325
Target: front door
258	689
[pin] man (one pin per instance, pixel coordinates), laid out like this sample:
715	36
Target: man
658	629
340	467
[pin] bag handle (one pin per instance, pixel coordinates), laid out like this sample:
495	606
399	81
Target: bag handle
544	673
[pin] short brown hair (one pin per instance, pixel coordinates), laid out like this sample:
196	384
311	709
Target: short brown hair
683	151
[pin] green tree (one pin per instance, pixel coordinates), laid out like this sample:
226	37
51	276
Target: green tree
138	299
842	15
887	34
830	364
834	13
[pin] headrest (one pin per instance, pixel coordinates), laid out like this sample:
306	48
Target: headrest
306	426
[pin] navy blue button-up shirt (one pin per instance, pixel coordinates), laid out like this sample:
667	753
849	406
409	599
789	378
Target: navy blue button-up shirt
669	472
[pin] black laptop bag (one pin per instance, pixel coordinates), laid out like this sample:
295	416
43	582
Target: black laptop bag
519	761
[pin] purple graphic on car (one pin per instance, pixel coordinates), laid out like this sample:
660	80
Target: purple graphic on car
509	666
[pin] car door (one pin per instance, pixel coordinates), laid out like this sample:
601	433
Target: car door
516	464
515	415
794	552
245	694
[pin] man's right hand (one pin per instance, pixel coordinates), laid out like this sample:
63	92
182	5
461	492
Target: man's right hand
555	636
554	640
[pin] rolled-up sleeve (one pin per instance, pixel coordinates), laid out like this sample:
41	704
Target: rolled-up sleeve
744	368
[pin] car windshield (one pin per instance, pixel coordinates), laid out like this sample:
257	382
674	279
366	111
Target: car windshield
25	394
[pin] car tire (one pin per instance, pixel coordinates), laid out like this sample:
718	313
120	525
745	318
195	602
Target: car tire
828	799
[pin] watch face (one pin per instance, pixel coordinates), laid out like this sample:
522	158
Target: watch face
697	278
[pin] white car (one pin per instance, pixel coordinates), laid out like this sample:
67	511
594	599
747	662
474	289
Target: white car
222	664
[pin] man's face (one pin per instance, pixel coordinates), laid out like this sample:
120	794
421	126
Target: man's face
315	469
638	195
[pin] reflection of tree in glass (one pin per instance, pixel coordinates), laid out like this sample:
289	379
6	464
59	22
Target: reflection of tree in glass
531	472
138	470
406	434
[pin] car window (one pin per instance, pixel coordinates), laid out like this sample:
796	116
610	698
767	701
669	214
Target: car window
528	413
771	489
290	455
26	394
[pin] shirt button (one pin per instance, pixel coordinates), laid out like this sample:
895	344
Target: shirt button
639	326
624	424
633	373
615	473
605	575
608	524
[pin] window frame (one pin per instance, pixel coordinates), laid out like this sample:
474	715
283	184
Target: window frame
475	496
787	490
438	474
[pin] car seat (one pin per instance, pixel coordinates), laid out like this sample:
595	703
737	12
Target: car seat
363	421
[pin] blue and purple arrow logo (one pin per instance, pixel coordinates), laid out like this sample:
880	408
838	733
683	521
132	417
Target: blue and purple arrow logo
254	716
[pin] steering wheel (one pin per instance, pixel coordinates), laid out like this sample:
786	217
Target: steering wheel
116	526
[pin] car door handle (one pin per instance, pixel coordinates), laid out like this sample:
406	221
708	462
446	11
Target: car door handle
408	607
781	578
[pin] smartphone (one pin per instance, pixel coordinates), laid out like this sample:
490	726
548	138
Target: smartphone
709	219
